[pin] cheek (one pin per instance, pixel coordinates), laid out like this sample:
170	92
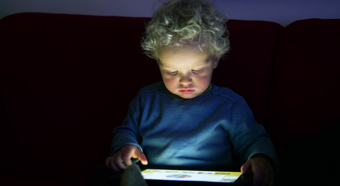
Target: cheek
203	81
169	81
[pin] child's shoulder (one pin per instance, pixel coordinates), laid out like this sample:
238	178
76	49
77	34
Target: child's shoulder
226	93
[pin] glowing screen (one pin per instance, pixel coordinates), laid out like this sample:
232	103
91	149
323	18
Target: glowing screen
190	175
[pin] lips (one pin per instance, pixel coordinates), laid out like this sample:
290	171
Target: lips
186	91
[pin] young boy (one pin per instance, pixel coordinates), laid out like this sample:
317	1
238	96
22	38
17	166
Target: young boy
185	120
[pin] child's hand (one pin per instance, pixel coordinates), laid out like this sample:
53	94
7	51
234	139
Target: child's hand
262	169
122	158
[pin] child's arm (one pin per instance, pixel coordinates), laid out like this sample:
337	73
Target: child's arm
120	160
262	168
125	142
253	144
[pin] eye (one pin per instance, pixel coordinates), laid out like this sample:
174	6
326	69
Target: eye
173	73
197	71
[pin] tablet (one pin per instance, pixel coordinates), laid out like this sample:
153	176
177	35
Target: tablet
192	177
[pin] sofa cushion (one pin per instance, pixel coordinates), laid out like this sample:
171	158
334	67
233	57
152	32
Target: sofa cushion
305	88
66	82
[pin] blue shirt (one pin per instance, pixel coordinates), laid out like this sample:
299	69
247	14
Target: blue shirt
216	129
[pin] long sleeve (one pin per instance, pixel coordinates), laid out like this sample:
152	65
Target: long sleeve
127	134
248	137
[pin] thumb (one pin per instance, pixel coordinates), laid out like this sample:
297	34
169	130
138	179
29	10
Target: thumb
245	167
140	155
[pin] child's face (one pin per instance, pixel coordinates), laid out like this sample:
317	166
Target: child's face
186	71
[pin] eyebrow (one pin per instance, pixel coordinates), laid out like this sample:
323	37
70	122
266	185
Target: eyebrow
170	68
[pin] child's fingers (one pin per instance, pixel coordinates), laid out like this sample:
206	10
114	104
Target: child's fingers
140	155
245	167
111	165
119	163
122	159
256	176
127	158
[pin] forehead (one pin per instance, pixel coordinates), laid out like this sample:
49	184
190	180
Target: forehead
184	56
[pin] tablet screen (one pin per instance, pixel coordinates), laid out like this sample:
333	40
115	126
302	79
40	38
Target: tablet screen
190	175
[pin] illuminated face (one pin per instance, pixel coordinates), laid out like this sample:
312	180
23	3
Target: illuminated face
186	71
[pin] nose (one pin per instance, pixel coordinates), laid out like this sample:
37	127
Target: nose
185	79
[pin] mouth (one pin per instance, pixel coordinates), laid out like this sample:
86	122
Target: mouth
186	91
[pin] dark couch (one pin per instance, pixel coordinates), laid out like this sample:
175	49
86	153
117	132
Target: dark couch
66	82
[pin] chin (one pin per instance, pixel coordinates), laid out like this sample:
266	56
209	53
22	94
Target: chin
187	96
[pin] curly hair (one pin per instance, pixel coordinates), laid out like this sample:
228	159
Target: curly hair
186	22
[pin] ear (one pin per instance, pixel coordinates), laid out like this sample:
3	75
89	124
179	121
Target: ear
217	59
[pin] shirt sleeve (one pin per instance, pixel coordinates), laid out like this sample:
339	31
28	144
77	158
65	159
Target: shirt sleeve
248	137
127	134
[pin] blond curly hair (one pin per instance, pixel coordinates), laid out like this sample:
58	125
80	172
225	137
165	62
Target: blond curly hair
186	22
